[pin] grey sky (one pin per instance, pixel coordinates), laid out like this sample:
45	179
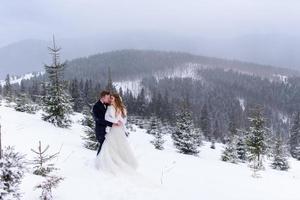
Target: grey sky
20	19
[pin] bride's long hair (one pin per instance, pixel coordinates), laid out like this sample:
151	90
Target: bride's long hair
119	105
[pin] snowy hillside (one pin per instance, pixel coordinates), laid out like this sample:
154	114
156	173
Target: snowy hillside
162	174
18	79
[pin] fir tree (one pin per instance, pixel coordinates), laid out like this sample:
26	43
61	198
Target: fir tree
158	141
241	148
76	95
42	167
199	136
110	87
24	104
154	126
184	138
297	152
90	140
12	168
205	123
57	105
256	145
279	155
215	134
295	137
47	186
7	91
155	129
230	154
141	102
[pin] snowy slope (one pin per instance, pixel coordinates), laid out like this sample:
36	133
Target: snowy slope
18	79
162	174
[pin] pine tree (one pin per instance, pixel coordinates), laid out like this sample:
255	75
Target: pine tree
205	122
215	134
24	104
110	87
199	136
184	138
90	140
295	137
47	186
158	141
57	105
141	103
155	129
256	145
7	91
42	167
230	154
279	155
76	95
154	126
12	169
297	152
241	147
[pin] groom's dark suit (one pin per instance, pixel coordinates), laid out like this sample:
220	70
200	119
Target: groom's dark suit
99	110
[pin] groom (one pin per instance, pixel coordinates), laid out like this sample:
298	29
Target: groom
99	110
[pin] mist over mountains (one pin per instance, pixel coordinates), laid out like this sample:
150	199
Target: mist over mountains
30	55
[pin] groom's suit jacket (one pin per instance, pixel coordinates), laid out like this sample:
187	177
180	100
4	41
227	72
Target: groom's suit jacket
99	110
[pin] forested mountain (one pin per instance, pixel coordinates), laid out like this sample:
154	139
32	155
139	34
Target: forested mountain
128	64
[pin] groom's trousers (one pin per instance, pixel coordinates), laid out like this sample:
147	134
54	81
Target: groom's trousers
100	140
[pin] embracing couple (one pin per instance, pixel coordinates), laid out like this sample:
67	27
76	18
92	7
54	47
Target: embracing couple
114	154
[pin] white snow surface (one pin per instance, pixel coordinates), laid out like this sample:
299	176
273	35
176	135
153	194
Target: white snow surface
188	70
134	86
242	103
281	78
162	174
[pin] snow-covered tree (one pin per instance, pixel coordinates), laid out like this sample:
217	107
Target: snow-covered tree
77	96
230	154
158	140
42	161
205	123
184	138
57	102
279	155
155	129
154	126
240	147
12	168
297	152
47	186
7	90
256	141
295	137
199	136
24	104
90	140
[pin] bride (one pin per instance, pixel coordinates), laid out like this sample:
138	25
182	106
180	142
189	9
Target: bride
116	155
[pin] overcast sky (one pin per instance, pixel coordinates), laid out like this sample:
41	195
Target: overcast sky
39	19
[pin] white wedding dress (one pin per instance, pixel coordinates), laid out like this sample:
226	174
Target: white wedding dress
116	155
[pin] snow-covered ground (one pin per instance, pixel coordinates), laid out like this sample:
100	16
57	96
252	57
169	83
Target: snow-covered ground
162	174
